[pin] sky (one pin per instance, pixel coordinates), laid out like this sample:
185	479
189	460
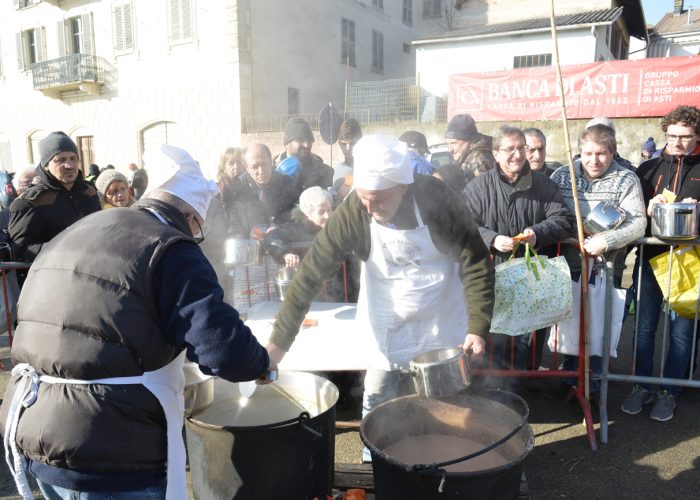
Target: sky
654	10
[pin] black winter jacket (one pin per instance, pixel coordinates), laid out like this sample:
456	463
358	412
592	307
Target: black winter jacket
679	174
46	209
534	201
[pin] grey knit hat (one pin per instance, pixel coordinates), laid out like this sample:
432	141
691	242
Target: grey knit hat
461	127
54	143
297	130
108	177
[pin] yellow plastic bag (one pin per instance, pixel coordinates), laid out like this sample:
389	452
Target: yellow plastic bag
685	279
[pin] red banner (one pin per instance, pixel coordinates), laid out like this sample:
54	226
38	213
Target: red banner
648	87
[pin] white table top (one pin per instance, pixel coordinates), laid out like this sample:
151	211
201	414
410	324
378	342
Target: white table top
330	345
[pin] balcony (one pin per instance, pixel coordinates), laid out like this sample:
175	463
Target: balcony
74	72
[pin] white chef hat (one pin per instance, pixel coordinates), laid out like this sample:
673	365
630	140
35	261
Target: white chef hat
381	162
173	170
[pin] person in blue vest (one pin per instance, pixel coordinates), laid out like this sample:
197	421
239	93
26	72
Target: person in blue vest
417	152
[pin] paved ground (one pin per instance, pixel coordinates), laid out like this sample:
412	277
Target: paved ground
643	459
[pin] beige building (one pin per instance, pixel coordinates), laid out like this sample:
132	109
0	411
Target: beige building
119	75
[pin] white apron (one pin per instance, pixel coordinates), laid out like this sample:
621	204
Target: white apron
166	384
411	299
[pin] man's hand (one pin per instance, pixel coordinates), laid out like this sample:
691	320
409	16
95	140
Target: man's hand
529	237
503	243
291	260
595	246
276	354
475	344
659	198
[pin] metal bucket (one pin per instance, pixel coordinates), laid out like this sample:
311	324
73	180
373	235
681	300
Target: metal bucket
440	373
279	443
240	252
199	389
465	424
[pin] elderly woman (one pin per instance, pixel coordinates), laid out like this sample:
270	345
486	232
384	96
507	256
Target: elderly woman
113	187
288	243
600	179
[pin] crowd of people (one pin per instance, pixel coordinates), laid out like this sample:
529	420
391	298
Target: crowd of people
115	299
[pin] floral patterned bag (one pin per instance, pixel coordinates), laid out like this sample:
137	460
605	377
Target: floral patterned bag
532	292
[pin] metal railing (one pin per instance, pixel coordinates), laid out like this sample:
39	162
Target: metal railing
276	123
70	69
606	375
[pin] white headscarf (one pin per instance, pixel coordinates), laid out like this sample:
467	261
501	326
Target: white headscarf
173	170
381	162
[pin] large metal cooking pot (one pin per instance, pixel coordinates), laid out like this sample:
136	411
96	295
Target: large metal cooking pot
413	441
199	390
604	217
440	373
240	252
279	443
675	221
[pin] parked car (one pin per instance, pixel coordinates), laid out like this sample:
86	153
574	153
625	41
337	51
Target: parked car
7	190
439	155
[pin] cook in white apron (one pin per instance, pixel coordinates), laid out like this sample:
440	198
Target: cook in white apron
166	384
411	299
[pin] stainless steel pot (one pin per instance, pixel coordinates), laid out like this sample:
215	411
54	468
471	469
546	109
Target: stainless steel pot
440	373
675	221
604	217
283	280
239	252
199	390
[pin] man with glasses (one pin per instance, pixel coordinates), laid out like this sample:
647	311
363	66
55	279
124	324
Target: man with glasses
109	310
512	199
673	176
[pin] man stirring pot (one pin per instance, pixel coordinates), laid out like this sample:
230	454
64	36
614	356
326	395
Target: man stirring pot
425	269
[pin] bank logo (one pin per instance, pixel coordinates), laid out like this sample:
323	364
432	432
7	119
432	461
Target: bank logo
470	97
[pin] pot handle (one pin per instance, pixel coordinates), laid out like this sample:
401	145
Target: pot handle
683	211
303	418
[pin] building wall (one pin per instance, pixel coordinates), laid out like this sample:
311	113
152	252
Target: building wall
479	12
435	62
300	47
244	56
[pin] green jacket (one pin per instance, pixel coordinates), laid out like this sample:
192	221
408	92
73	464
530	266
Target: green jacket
452	230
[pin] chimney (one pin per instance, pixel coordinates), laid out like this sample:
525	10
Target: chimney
677	7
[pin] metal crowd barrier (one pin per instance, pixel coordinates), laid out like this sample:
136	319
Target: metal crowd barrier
6	268
606	376
553	371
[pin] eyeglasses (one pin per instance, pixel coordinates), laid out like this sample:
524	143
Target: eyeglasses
199	239
511	151
683	138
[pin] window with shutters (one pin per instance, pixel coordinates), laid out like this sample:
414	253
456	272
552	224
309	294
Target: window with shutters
180	21
532	61
432	9
31	47
347	42
407	12
377	52
378	4
123	28
23	4
75	35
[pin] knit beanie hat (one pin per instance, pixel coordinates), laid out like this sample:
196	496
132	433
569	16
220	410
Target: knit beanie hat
461	127
52	144
297	130
650	145
106	178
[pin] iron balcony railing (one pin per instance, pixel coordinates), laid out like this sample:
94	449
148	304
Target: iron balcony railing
67	70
